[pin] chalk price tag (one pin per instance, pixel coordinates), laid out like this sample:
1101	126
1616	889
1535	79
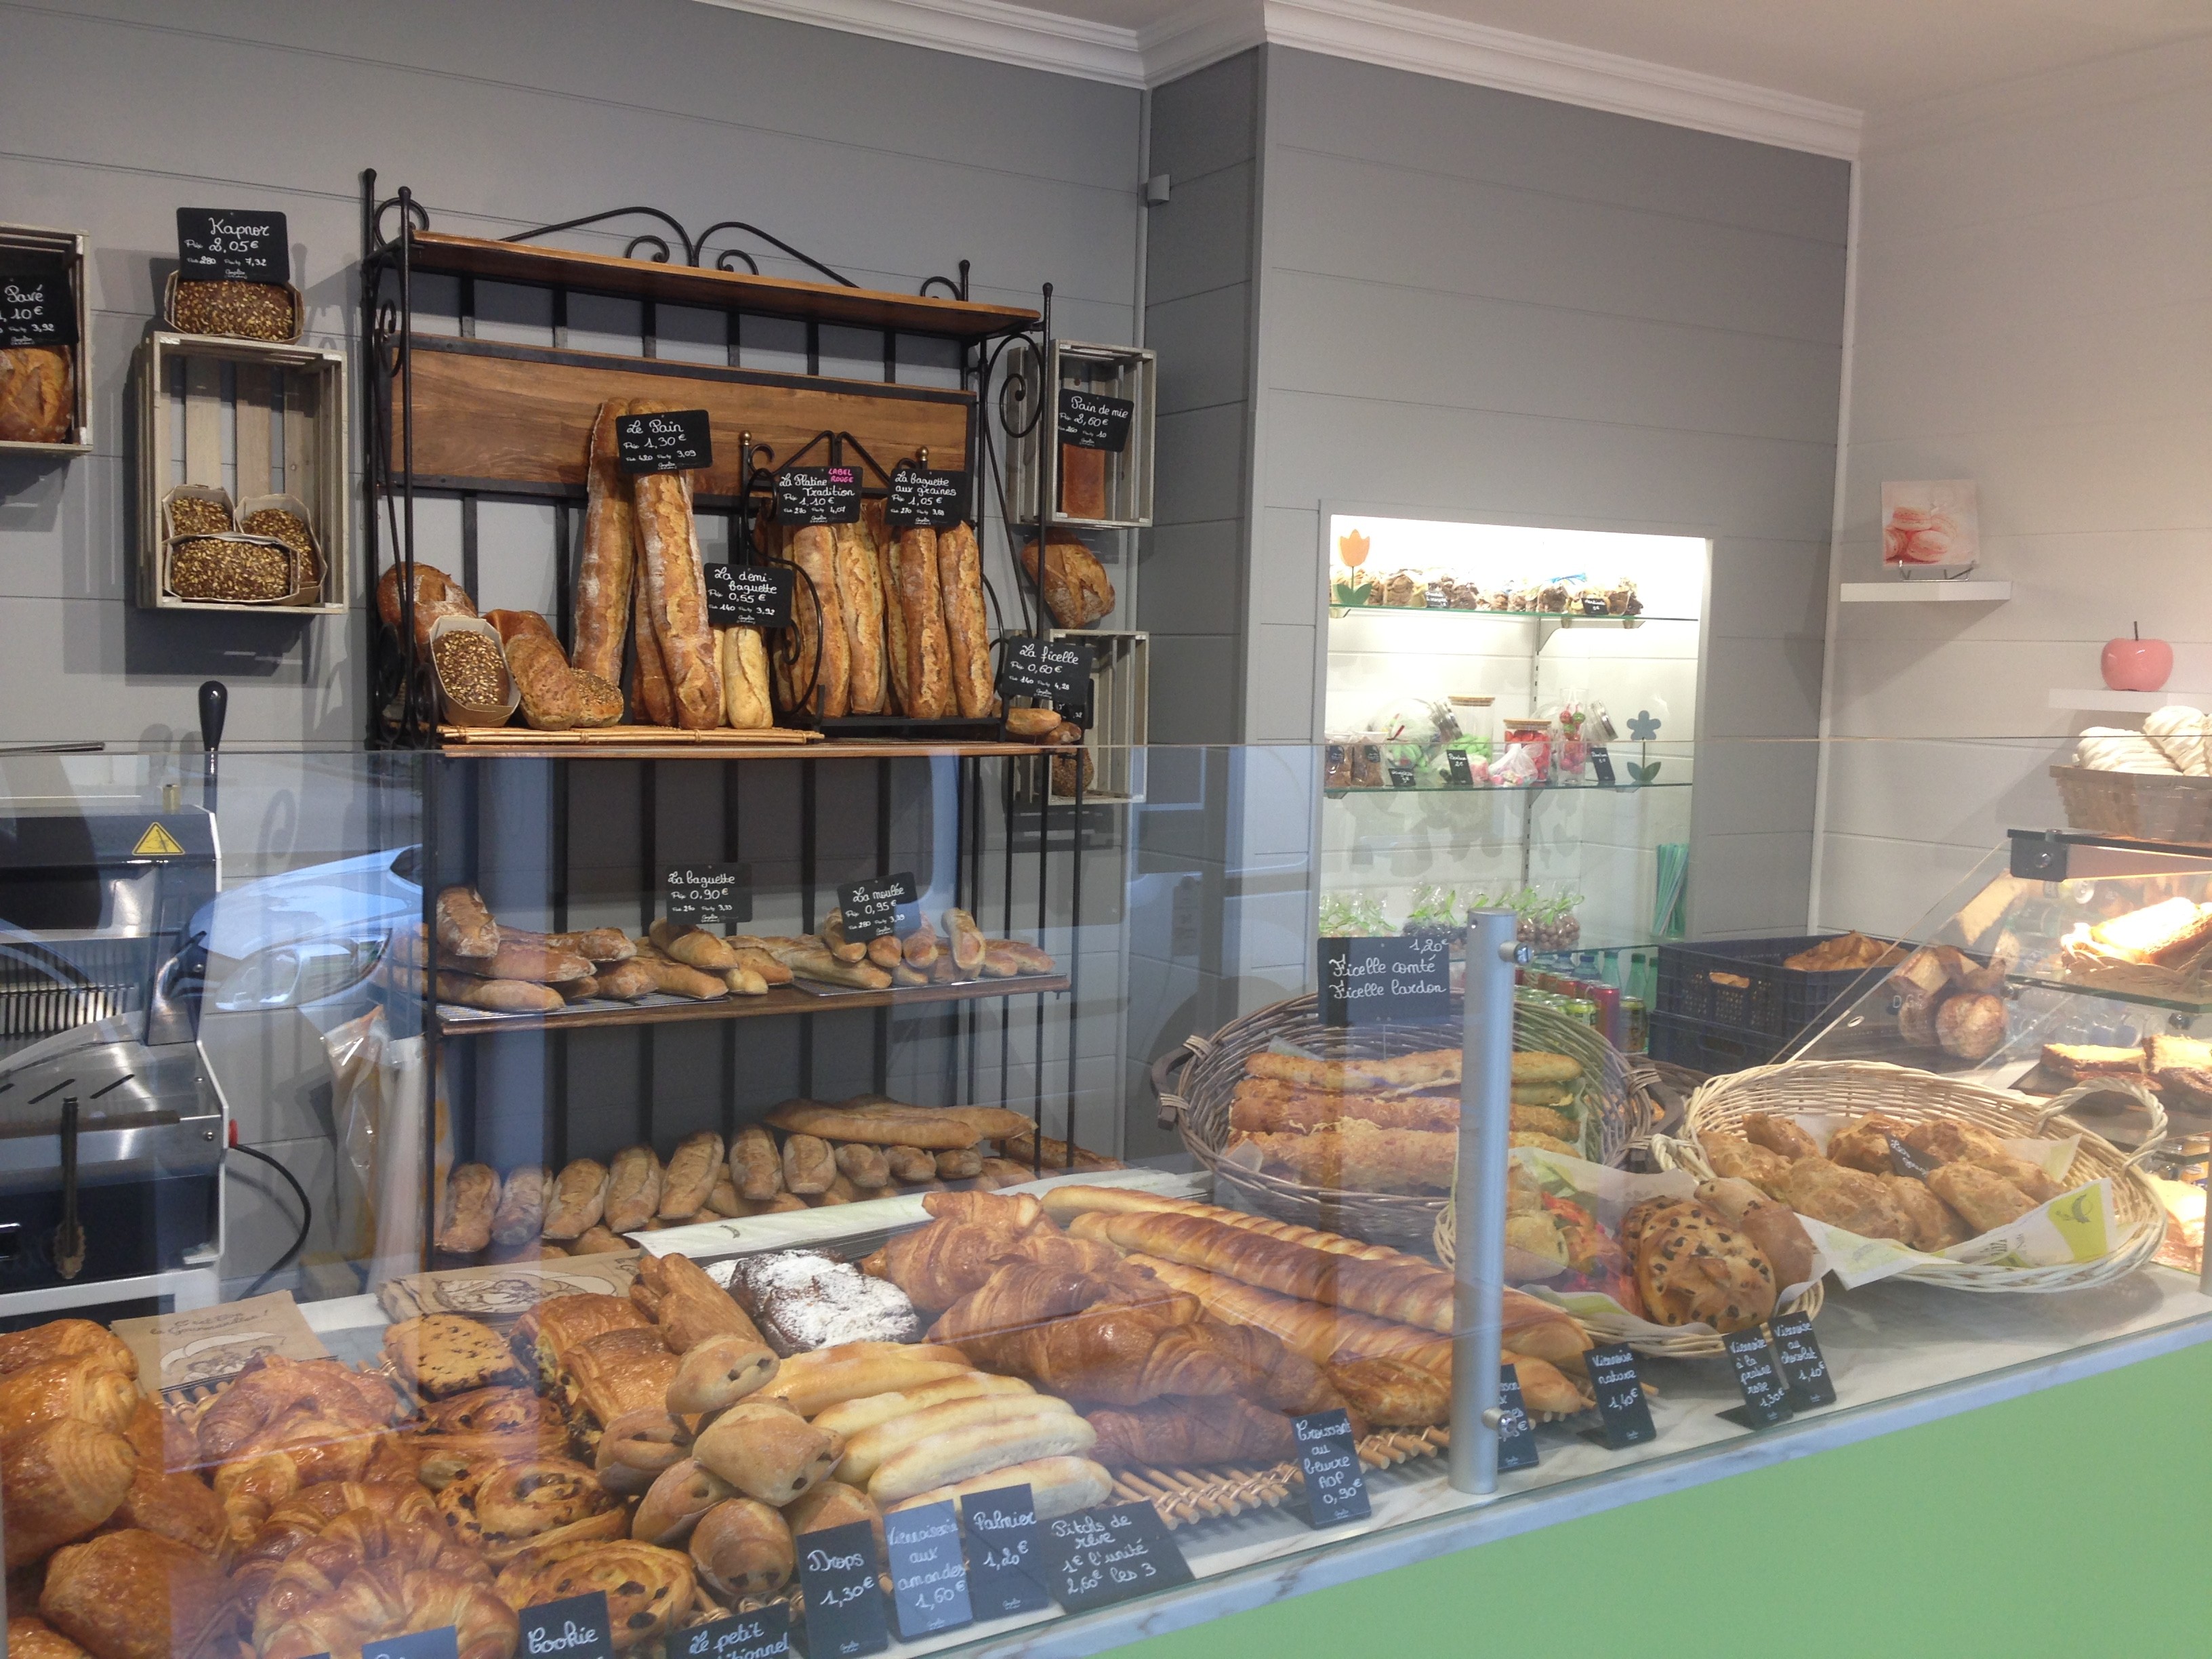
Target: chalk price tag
1395	978
1621	1407
443	1643
870	908
923	500
750	595
807	496
765	1634
1765	1394
677	440
1057	671
1517	1435
1804	1367
575	1628
1004	1560
844	1601
1462	775
929	1580
1090	421
1336	1486
1401	777
707	895
1600	761
1101	1556
37	306
1907	1163
223	245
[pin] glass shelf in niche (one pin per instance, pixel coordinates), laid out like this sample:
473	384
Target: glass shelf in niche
1572	786
1563	618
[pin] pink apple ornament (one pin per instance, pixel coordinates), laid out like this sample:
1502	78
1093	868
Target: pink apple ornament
2137	664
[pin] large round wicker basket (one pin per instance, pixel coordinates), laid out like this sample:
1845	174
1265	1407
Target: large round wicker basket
1854	1088
1212	1066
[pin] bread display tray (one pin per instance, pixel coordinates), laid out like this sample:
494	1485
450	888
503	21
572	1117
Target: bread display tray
2136	805
1185	1496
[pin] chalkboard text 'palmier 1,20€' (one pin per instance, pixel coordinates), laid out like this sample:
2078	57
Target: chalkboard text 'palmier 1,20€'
38	307
1621	1407
1090	420
665	440
231	244
1804	1367
764	1633
750	595
573	1627
929	1576
1336	1484
1765	1393
1005	1559
921	499
838	1578
812	495
1393	978
869	909
1101	1556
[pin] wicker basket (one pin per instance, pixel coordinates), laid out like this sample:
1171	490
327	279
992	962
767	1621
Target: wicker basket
1855	1088
2136	805
1213	1068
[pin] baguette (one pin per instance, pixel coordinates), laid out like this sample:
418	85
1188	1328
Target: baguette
860	603
978	1448
967	942
822	967
633	1189
742	655
895	643
814	551
503	996
575	990
579	1198
877	1125
920	947
1058	1486
676	588
677	981
809	1166
964	1164
811	1382
522	1212
852	1416
651	700
472	1200
516	960
868	1451
465	926
771	971
628	981
910	1164
960	581
754	1165
692	1169
607	570
929	664
840	1190
834	940
744	983
594	944
694	947
862	1164
883	952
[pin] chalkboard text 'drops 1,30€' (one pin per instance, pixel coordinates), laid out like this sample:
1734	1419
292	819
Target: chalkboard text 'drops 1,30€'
230	245
749	595
811	495
764	1633
575	1628
1390	978
929	1577
38	307
1089	420
1005	1559
1336	1484
869	909
1057	671
666	440
838	1577
920	499
707	895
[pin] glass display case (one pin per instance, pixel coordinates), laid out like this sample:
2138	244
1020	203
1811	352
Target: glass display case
850	1199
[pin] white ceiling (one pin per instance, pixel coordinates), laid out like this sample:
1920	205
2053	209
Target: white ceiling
1864	54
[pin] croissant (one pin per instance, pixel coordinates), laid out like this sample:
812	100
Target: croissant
687	1306
271	1387
59	1480
1278	1376
163	1500
385	1600
1183	1432
35	1639
85	1386
305	1518
65	1339
304	1449
133	1595
320	1568
1066	1333
647	1586
504	1507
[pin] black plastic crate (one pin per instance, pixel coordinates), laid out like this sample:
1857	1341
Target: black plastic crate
1778	1002
1711	1049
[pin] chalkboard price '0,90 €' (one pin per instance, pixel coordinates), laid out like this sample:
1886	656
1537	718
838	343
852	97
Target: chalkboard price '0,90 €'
1336	1484
229	245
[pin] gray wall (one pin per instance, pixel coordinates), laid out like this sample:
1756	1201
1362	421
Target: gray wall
889	162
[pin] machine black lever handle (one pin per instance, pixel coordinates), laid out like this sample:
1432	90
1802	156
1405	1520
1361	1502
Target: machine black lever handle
69	1238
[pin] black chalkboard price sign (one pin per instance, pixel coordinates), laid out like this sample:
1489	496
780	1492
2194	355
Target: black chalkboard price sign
750	595
1006	1563
1101	1556
1057	671
1393	978
37	306
929	1578
1517	1435
765	1634
871	908
1621	1407
227	244
443	1643
1401	777
672	441
1462	775
837	1574
1336	1484
807	496
1600	759
1765	1393
923	500
707	895
1090	421
1804	1367
575	1628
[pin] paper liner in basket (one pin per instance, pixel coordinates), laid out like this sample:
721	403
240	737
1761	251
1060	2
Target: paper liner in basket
2076	1226
1608	1193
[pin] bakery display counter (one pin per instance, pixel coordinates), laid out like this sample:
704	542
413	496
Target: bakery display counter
655	1009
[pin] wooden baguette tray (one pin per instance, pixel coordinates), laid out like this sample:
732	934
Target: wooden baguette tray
1183	1497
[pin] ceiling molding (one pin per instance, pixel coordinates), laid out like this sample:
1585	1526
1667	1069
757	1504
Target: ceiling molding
1364	31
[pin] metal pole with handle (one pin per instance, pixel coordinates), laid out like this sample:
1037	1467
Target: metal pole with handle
1485	1101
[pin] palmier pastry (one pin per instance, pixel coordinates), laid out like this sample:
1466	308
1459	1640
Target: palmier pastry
502	1509
647	1586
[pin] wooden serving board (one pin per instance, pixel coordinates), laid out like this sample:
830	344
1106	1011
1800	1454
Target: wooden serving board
623	736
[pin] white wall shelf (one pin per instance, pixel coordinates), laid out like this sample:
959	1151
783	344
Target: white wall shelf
2137	702
1926	592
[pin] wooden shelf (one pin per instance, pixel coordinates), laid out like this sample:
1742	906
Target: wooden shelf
619	743
659	1010
2137	702
719	290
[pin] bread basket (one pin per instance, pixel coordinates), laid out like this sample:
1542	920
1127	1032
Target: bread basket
1198	1103
1853	1088
456	711
2136	805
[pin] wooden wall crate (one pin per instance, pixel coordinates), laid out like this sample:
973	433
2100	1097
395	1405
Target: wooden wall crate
70	246
277	413
1033	461
1120	665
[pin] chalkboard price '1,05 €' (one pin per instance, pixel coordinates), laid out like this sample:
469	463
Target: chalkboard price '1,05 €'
1391	979
227	245
923	500
37	306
